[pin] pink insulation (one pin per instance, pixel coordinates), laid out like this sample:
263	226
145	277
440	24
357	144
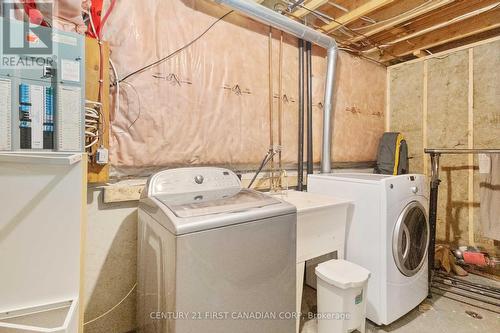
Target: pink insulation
208	104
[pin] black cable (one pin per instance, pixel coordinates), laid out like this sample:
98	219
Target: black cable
142	69
132	123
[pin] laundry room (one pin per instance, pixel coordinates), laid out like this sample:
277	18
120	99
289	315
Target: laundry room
272	166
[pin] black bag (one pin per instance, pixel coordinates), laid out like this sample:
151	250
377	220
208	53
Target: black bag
392	157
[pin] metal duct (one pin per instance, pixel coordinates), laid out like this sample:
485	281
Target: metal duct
299	30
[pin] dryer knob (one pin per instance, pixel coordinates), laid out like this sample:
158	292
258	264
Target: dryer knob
414	189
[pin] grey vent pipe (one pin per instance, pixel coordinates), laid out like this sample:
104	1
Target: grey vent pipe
299	30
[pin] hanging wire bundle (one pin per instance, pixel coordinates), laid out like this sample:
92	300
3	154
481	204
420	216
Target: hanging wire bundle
93	126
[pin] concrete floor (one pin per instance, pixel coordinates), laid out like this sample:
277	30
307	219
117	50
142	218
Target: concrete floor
438	315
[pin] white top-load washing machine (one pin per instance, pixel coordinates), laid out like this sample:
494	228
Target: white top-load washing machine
388	234
214	257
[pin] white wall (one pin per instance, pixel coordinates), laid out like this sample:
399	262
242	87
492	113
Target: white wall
110	267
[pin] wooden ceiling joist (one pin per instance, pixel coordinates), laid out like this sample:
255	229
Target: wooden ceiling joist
434	21
400	19
355	14
471	26
309	6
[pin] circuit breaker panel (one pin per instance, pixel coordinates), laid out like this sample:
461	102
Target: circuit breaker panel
42	97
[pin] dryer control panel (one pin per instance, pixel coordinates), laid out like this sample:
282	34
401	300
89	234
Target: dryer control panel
188	180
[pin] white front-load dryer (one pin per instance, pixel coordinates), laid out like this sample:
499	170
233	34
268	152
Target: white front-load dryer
388	234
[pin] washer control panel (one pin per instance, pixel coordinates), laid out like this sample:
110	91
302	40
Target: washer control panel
187	180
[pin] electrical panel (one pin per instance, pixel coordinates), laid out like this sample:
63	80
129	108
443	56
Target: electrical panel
42	95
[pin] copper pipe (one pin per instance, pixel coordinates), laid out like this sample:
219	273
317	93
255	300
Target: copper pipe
271	105
280	110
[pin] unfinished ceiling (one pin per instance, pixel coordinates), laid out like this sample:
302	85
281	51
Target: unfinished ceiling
393	31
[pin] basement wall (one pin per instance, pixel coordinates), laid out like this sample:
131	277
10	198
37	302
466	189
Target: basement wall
209	104
450	100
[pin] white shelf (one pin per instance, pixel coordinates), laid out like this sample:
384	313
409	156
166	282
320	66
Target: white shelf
47	158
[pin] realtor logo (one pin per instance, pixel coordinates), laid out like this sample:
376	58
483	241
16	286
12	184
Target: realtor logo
25	29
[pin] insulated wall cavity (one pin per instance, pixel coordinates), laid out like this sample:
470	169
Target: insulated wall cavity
451	100
210	103
447	126
406	109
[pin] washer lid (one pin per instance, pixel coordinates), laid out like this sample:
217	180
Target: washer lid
227	200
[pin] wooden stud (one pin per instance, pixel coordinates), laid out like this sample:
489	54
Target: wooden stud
454	31
470	143
98	173
425	91
388	102
355	14
311	5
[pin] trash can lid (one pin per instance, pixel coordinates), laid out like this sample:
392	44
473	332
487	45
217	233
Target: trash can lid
342	274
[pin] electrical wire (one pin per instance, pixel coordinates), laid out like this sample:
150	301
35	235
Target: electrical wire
105	18
394	17
375	45
138	114
437	26
117	85
93	122
113	308
142	69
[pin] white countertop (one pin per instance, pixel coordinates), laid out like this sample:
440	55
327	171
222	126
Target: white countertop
305	201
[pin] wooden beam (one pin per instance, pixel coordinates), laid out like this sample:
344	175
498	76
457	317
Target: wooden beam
433	21
400	19
470	144
471	26
98	173
355	14
311	5
420	53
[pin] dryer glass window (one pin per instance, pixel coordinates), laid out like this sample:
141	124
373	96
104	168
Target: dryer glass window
410	239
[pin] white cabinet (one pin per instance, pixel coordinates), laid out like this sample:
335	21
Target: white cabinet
43	204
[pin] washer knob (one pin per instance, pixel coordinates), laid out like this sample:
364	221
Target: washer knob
414	189
198	179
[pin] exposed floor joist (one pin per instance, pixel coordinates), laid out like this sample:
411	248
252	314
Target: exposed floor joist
401	19
474	25
309	6
392	31
433	21
355	14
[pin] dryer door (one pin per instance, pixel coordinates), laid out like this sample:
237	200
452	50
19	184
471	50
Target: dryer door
411	239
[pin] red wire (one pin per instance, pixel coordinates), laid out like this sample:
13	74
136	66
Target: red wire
105	18
99	38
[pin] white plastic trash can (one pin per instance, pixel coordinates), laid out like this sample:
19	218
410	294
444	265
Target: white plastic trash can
341	296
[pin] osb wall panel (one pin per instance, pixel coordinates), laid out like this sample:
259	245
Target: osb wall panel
447	122
486	109
209	104
407	84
